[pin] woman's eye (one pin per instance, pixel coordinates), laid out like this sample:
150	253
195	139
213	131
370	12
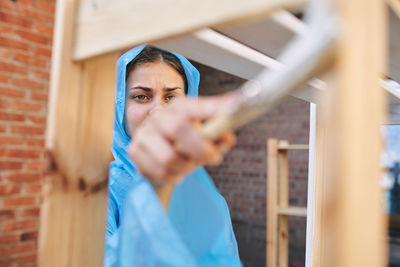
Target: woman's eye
141	97
170	97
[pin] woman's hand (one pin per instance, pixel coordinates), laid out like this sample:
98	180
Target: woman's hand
167	145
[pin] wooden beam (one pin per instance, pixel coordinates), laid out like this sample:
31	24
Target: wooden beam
293	211
272	197
354	218
394	42
395	5
286	146
104	26
319	234
283	203
78	141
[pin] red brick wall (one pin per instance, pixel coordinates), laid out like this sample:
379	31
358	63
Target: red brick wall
26	28
241	178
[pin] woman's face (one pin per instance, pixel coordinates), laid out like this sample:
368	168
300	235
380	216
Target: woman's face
149	87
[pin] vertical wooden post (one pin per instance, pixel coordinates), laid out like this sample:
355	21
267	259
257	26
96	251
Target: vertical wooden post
272	213
78	142
354	211
320	189
283	202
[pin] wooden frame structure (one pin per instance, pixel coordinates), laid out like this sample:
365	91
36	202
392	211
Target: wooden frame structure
88	38
278	209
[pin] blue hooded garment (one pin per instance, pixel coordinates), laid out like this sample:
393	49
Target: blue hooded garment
197	231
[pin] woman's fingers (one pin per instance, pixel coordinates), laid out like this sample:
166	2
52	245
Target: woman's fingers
182	131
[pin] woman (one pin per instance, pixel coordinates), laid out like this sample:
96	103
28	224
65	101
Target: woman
156	144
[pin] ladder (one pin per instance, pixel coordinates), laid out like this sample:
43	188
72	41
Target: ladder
278	209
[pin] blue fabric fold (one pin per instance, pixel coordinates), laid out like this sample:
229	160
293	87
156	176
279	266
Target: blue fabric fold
197	231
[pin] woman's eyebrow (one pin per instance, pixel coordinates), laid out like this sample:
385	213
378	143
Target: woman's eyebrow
147	89
169	89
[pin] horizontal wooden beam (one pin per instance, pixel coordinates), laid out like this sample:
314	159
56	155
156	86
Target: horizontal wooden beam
293	211
104	26
283	146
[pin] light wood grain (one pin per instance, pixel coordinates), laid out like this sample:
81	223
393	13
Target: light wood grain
105	26
272	198
293	211
355	218
78	142
283	202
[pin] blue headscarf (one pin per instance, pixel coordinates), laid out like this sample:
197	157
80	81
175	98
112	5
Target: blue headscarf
197	230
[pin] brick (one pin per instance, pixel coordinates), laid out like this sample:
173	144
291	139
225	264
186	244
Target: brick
45	75
9	165
7	262
35	142
29	236
23	153
4	103
43	51
9	189
37	119
44	29
10	140
6	116
26	259
7	214
33	188
25	106
4	77
16	20
8	5
27	2
31	212
5	52
9	226
35	165
45	6
6	28
18	201
12	92
14	44
28	83
36	15
13	68
39	97
17	248
36	38
9	238
31	60
29	130
24	177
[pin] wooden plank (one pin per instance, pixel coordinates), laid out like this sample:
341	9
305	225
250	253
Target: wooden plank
320	189
285	146
272	198
310	186
293	211
78	141
266	42
355	218
283	202
143	21
394	42
395	5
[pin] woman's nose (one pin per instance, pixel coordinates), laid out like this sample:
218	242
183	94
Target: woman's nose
156	105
